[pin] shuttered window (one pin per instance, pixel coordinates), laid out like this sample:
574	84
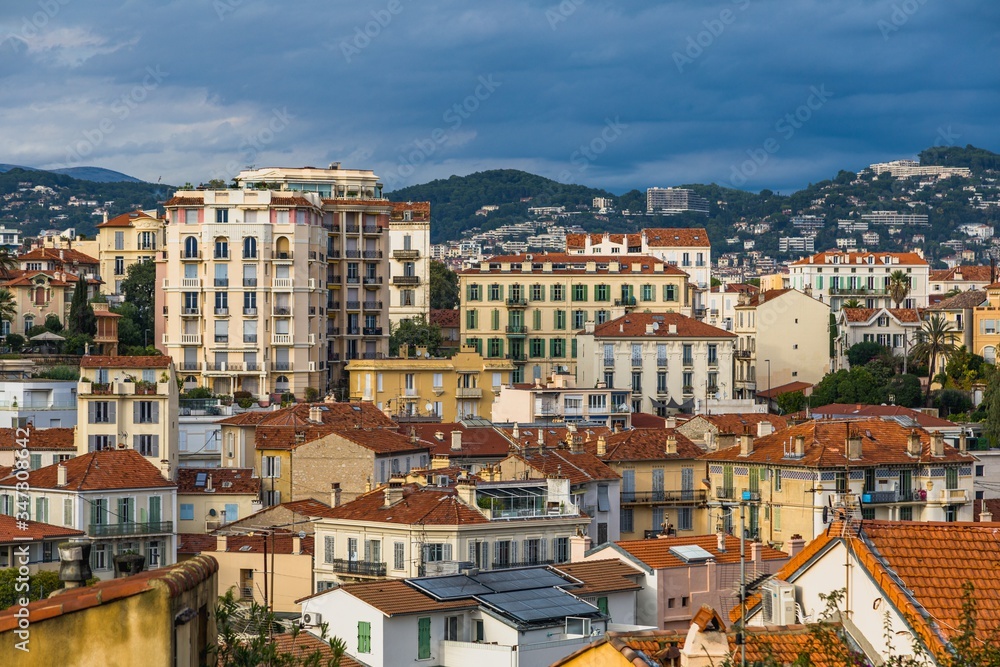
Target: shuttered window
423	638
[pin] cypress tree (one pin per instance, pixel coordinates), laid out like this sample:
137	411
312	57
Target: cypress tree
81	314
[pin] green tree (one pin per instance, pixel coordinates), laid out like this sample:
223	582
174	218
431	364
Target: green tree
40	585
860	354
935	339
991	406
8	263
81	314
790	402
901	390
899	286
952	402
77	343
52	323
415	332
139	289
852	303
15	342
130	331
443	287
8	305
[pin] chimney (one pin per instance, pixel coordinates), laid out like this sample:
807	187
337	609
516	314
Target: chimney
913	446
854	446
578	546
746	444
649	329
516	433
671	422
165	468
963	445
985	516
74	563
61	476
602	446
937	445
764	428
456	441
720	541
800	446
756	551
541	437
466	490
315	414
671	443
393	492
795	545
335	494
296	544
220	543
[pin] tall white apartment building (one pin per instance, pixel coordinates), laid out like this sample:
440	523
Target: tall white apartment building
908	168
409	261
836	276
674	200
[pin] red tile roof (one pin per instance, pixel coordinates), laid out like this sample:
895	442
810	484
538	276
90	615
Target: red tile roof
125	219
861	411
601	576
576	264
657	555
304	645
882	443
395	597
975	274
419	505
483	441
665	325
774	392
225	481
98	471
738	424
646	444
764	297
967	299
281	542
420	211
157	361
62	439
645	420
446	318
12	530
656	237
527	437
291	427
903	315
19	278
65	255
176	579
251	418
861	258
578	467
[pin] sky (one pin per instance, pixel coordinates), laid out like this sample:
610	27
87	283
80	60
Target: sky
619	95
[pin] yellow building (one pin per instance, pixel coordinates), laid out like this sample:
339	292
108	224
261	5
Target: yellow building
210	498
527	308
452	389
986	316
660	488
129	403
126	240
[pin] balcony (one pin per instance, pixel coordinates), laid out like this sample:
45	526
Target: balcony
250	338
405	254
250	255
282	365
372	331
609	362
469	392
282	339
353	305
250	312
725	493
282	311
333	254
333	280
517	331
191	283
353	331
661	362
950	496
371	229
333	331
699	312
517	302
222	312
361	568
352	229
332	305
196	254
858	291
636	362
353	280
352	254
742	354
882	497
129	528
373	305
190	365
628	302
282	256
221	255
190	339
282	283
191	312
406	280
221	338
374	281
371	254
688	390
252	367
665	497
688	362
249	282
222	282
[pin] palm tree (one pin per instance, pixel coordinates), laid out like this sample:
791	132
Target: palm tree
8	263
899	286
8	307
936	338
852	303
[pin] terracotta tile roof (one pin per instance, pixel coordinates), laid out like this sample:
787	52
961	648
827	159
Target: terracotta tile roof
308	507
738	288
967	299
306	644
656	237
975	274
601	576
861	258
196	543
774	392
861	411
282	542
420	211
656	552
764	297
5	471
381	440
251	418
646	420
578	467
576	264
279	200
738	424
291	427
25	278
225	481
395	597
419	505
903	315
12	530
646	444
446	318
57	438
65	255
482	441
882	443
527	437
96	471
176	579
158	361
634	325
125	219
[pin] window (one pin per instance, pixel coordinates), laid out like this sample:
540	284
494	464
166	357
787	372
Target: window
68	512
99	557
423	638
126	510
364	637
271	467
480	634
602	292
451	628
147	444
536	347
558	292
661	382
222	215
776	479
579	292
249	248
840	482
579	319
495	292
670	293
560	549
437	552
473	292
647	293
101	412
146	412
558	347
601	316
153	553
438	380
119	266
776	517
559	319
637	382
119	240
472	319
627	520
222	248
906	514
187	511
398	556
495	320
685	520
42	510
537	293
951	478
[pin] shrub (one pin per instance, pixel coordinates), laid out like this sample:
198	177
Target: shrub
312	394
15	342
198	392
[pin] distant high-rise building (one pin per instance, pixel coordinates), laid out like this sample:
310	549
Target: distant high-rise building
674	200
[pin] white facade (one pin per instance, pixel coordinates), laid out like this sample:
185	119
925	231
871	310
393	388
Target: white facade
44	403
199	441
884	327
409	262
836	276
561	400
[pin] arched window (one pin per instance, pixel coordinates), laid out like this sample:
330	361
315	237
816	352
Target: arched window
222	248
29	322
249	248
281	248
191	247
990	354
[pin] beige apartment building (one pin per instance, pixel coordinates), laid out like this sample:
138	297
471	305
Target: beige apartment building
409	261
414	385
837	277
529	307
125	240
129	403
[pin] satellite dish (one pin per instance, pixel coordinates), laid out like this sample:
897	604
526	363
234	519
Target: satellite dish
302	534
211	512
428	406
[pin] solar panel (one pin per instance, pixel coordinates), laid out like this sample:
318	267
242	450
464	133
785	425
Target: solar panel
538	604
691	553
199	479
450	587
520	579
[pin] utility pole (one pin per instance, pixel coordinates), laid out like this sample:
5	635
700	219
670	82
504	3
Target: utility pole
743	586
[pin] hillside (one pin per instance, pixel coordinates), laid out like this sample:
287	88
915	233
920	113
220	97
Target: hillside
96	174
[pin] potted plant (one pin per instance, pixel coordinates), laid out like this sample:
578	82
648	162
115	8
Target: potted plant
128	562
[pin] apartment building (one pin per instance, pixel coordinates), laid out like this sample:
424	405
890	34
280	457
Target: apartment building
65	260
451	389
783	336
962	278
45	446
561	400
839	276
674	200
129	403
39	293
125	240
985	321
910	168
894	328
720	301
40	402
210	498
409	240
685	247
792	479
527	307
958	311
666	360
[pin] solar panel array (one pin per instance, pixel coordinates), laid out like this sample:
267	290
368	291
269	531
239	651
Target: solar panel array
520	579
538	604
691	553
450	587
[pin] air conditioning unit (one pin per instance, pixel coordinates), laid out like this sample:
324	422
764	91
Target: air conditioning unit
778	602
312	619
211	525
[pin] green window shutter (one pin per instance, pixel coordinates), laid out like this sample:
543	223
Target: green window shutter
602	605
364	637
423	638
468	292
572	347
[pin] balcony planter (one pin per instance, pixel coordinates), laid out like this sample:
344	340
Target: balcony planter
127	564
